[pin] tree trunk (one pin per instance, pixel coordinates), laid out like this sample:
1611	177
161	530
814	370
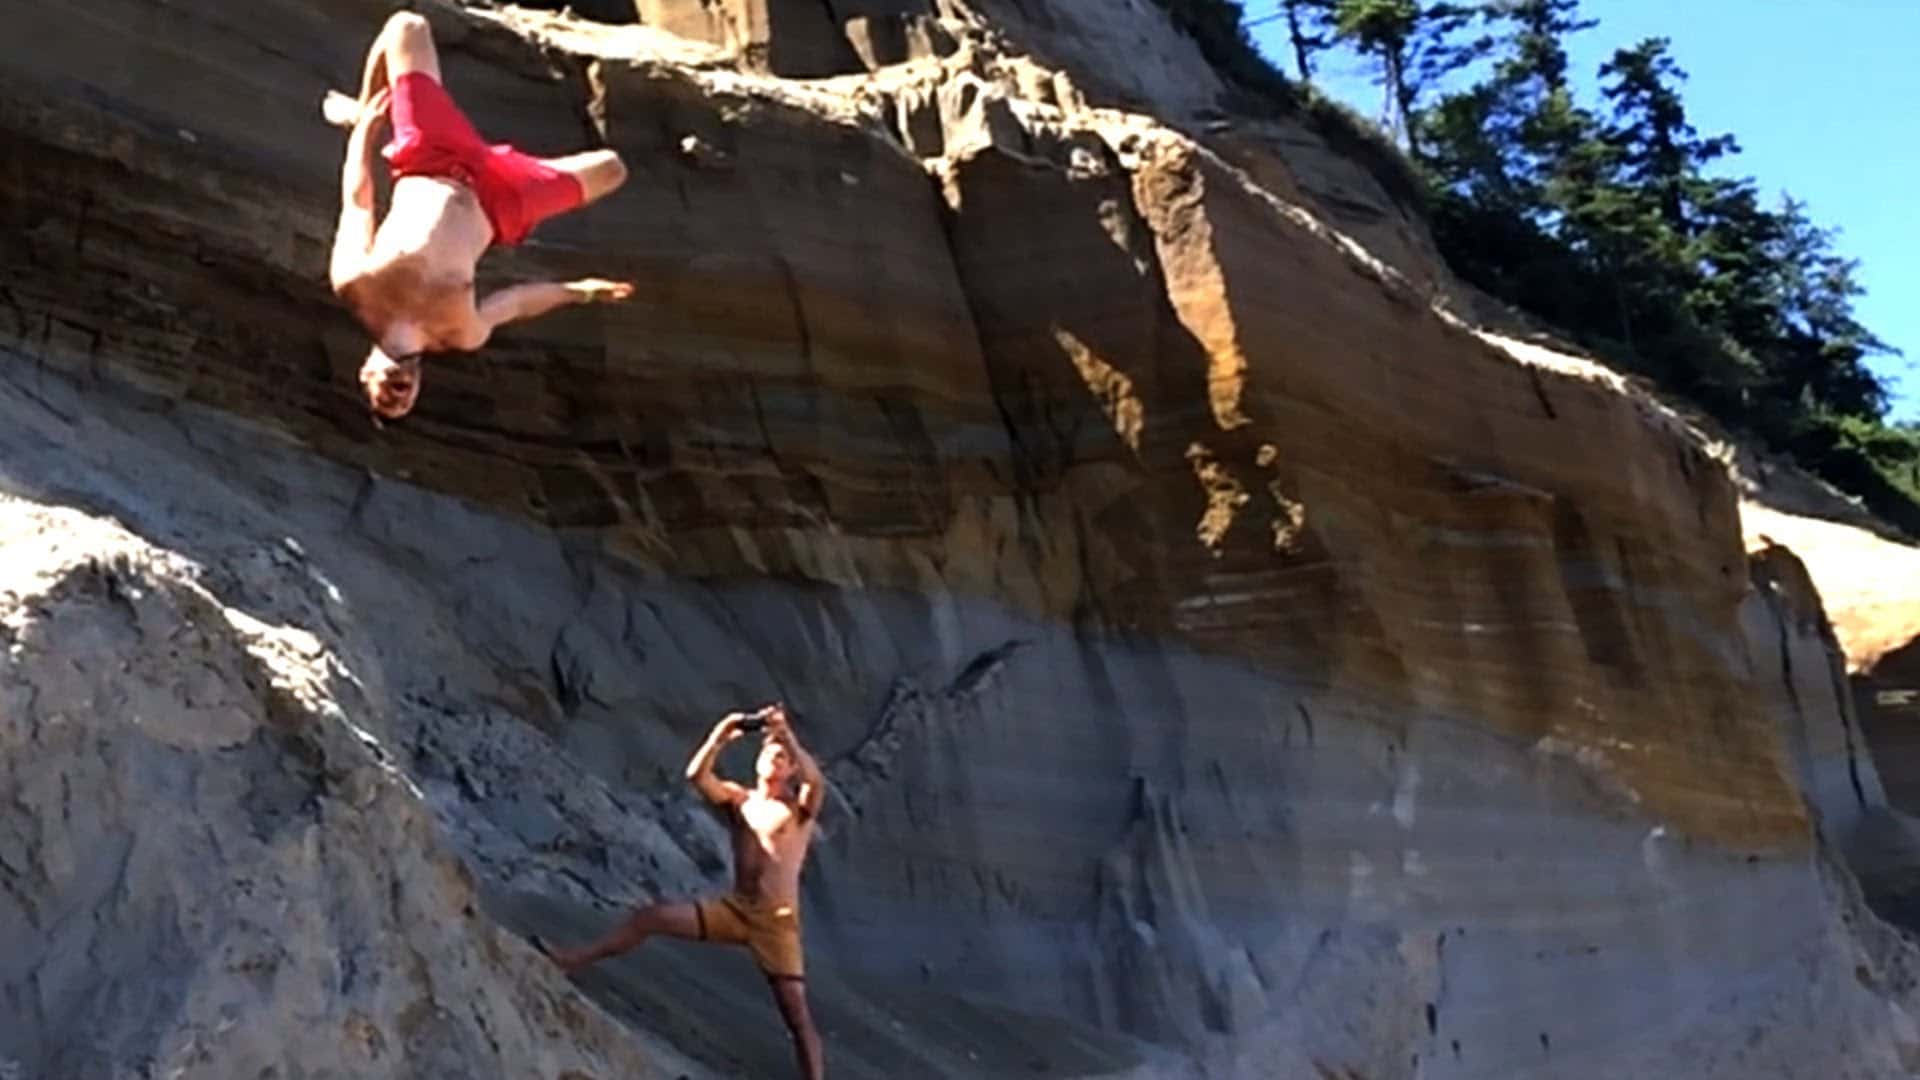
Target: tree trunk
1300	54
1400	99
1671	164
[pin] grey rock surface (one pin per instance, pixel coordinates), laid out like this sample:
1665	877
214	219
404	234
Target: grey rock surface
1226	665
268	806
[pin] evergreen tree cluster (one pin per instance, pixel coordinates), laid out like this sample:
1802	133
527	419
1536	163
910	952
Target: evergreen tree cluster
1605	219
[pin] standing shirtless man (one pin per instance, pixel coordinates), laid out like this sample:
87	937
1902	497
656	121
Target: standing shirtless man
409	279
772	824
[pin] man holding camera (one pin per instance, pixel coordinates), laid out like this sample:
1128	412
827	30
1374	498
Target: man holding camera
772	824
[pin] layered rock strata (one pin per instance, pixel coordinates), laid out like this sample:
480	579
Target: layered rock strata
1216	648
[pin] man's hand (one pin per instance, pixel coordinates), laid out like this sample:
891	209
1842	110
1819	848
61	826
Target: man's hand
349	112
700	770
599	290
728	728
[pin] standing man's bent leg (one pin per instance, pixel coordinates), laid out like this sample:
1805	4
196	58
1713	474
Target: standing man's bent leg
791	995
673	920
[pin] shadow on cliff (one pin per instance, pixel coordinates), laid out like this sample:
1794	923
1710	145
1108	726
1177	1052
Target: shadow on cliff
176	783
1106	395
1094	373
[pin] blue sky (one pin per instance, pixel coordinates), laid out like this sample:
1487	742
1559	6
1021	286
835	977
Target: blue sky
1822	98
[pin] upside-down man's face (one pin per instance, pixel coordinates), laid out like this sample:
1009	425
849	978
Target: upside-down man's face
392	385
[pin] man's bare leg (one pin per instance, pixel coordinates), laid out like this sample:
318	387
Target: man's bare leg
673	920
791	995
599	171
404	44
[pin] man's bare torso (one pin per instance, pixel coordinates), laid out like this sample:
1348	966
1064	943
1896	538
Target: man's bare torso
770	839
420	269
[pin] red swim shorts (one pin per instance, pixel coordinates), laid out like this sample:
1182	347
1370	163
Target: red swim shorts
432	137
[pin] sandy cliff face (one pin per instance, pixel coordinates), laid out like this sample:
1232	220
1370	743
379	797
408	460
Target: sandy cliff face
1227	664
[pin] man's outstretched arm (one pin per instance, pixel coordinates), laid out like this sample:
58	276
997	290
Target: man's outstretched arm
700	769
353	239
517	302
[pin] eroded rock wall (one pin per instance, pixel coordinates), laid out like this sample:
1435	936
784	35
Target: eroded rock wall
1186	406
1793	647
208	869
1869	583
1214	646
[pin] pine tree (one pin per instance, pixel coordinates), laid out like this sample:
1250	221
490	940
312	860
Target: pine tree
1661	152
1536	42
1414	45
1615	194
1826	346
1738	246
1502	140
1509	156
1536	104
1611	222
1309	30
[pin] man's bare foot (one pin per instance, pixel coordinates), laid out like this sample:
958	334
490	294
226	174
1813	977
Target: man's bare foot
602	291
568	961
340	110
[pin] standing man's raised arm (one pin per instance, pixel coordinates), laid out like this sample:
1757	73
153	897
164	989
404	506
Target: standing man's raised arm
353	240
700	769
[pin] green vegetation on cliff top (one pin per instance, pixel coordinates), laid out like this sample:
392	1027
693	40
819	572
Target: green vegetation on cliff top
1599	217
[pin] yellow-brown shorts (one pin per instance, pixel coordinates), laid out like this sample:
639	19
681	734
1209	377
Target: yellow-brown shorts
770	932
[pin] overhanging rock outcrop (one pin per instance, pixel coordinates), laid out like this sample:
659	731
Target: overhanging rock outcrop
1217	647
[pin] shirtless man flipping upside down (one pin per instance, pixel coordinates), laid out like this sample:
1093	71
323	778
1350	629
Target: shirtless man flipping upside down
409	278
